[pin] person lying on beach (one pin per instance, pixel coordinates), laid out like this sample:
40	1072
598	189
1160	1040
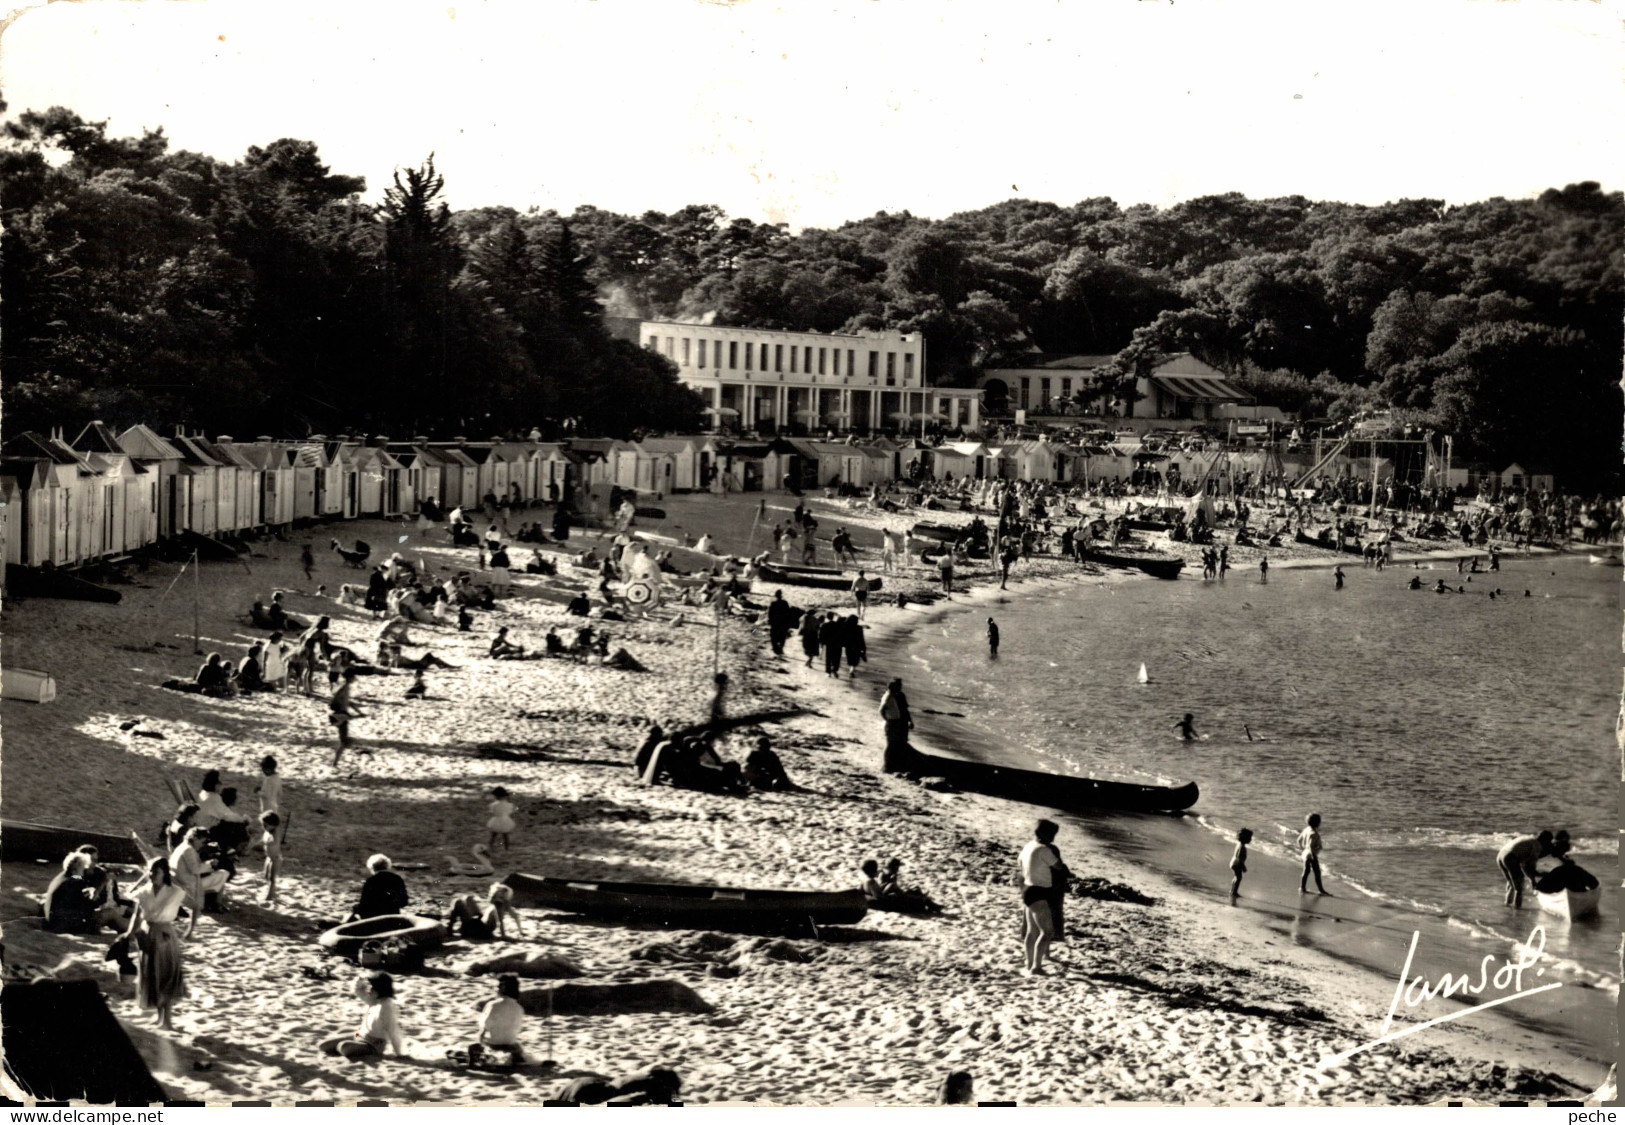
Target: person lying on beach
379	1028
500	1021
656	1086
1238	860
383	892
1516	859
1309	848
473	920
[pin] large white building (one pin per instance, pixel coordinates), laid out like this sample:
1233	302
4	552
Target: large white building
778	380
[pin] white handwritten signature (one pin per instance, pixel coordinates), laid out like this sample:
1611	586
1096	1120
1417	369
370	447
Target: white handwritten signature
1417	991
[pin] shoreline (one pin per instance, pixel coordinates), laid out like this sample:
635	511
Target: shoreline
1147	842
1157	1005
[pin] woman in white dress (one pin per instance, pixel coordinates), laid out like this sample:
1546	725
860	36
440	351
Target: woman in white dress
161	978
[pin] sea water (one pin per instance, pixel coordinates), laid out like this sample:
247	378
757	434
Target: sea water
1426	729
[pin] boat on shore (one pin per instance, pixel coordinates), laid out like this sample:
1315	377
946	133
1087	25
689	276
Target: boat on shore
33	582
1354	548
819	577
1156	565
685	905
1604	560
1055	791
939	532
1573	905
23	841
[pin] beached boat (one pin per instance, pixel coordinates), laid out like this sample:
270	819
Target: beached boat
1056	791
1604	560
684	904
821	577
1349	548
413	929
31	582
1572	905
939	532
1158	566
23	841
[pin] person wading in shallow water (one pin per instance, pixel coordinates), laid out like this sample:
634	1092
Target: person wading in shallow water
992	637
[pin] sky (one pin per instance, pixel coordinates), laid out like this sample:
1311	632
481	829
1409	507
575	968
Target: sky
815	113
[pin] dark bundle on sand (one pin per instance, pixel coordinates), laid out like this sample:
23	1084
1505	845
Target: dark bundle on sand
1107	891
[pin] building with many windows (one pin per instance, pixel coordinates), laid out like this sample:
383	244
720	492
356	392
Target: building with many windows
787	381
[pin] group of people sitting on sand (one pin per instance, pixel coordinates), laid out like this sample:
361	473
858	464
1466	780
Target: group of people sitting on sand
588	645
691	761
885	890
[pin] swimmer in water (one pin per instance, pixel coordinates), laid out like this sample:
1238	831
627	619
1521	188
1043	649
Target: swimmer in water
992	637
1187	727
1441	588
1416	582
1264	567
1526	593
1337	573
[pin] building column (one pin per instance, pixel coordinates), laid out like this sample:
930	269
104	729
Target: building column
781	407
846	409
976	413
747	409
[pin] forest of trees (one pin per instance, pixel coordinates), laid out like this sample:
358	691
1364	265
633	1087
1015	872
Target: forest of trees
265	296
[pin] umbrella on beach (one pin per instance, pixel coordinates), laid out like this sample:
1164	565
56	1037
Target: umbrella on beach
721	411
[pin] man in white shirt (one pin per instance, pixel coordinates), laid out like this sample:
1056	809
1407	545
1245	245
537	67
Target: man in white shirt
1038	863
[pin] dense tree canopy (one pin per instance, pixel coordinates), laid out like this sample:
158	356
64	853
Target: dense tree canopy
141	281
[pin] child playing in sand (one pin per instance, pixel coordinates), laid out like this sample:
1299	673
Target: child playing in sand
475	922
501	822
1309	845
270	822
380	1027
1238	860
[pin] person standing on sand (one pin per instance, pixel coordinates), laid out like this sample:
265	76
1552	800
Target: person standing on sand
992	637
307	560
809	636
161	976
888	551
894	711
831	635
270	823
857	648
1309	846
340	710
1038	863
501	821
779	615
946	569
1264	568
860	593
1337	573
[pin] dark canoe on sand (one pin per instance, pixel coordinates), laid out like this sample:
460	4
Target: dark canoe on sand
22	841
684	905
1158	566
1329	545
29	582
940	532
822	577
1055	791
650	513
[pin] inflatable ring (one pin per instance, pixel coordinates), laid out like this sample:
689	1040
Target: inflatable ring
639	593
348	939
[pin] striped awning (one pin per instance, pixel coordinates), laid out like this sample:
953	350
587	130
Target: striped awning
1200	387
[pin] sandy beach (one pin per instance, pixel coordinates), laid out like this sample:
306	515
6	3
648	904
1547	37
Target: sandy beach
1165	1003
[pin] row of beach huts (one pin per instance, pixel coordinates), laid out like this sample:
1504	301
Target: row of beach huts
102	495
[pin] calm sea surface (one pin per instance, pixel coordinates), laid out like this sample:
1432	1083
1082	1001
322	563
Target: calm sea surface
1425	728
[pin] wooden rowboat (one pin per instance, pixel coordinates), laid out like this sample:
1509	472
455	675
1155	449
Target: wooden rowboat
347	939
1572	905
31	582
684	905
1329	545
1055	791
1158	566
23	841
821	577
